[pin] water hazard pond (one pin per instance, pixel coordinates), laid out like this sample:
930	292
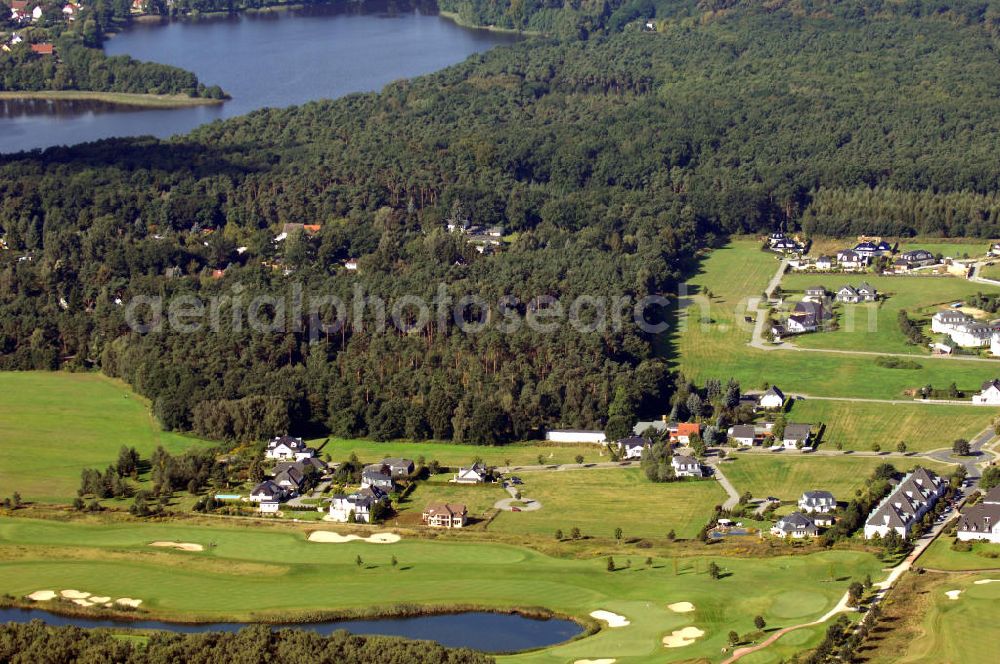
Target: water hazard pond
487	632
272	59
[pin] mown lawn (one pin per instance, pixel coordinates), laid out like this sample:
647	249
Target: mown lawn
874	327
940	555
451	454
718	349
598	501
958	249
787	477
52	425
928	626
252	572
478	498
857	425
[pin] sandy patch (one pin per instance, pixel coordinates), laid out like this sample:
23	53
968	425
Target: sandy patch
42	595
128	601
330	537
983	582
180	546
74	594
606	660
94	599
953	594
681	607
682	637
83	602
613	619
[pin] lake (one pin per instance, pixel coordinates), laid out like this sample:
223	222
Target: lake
269	59
487	632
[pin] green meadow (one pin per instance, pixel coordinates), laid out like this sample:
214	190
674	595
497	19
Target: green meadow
787	477
598	501
252	573
874	327
859	425
940	555
52	425
452	454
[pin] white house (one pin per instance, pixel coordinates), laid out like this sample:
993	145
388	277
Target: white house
360	504
575	436
796	436
979	522
685	466
990	393
824	263
943	322
284	448
743	434
772	399
267	491
973	335
796	525
912	498
995	344
475	474
633	447
848	259
817	502
268	506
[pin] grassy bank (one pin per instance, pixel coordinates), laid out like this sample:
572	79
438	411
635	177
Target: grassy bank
250	573
118	98
458	20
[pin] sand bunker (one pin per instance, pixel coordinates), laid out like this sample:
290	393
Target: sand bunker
682	637
681	607
613	619
983	582
94	599
74	594
953	594
180	546
83	602
606	660
331	537
42	595
128	601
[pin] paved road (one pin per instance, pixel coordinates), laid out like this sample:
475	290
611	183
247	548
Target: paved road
315	493
974	276
927	402
734	496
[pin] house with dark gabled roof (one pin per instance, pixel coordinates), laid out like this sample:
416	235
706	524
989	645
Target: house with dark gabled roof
824	263
992	496
796	436
821	502
848	259
772	399
685	466
743	434
796	525
291	479
377	475
288	448
979	522
268	490
914	496
398	467
360	504
866	292
633	447
989	393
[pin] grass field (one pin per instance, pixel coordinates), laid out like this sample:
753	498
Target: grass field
874	327
787	478
451	454
940	555
478	498
959	248
598	501
927	626
254	572
52	425
857	425
718	349
991	271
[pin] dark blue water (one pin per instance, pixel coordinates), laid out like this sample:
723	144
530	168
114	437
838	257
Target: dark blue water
487	632
273	59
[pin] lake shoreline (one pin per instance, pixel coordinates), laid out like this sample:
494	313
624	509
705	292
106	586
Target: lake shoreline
457	20
125	99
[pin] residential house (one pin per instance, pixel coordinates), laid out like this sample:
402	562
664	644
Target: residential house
796	436
973	334
795	525
633	447
800	324
979	522
992	496
743	434
445	515
913	497
994	249
360	504
848	259
682	432
351	264
825	263
776	237
909	260
475	474
42	49
943	322
772	399
288	447
268	506
649	427
575	436
268	490
786	245
817	502
399	468
36	15
290	480
869	250
995	344
815	294
867	293
303	466
989	394
851	295
685	466
379	476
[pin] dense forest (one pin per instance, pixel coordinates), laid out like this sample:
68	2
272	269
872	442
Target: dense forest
610	162
79	63
37	643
